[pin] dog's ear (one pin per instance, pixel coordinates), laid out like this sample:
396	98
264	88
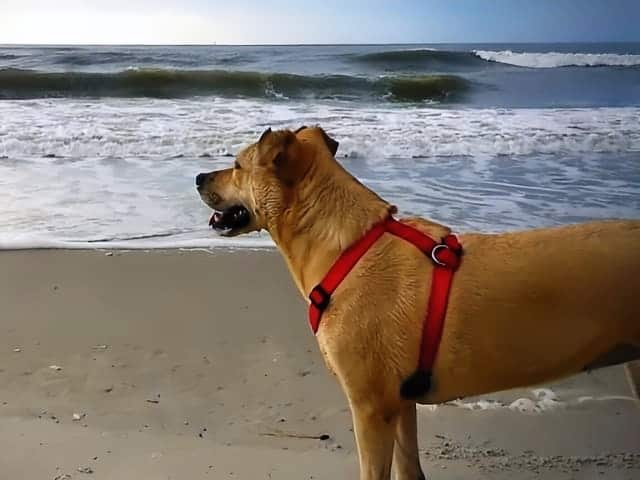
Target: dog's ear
264	135
280	150
331	144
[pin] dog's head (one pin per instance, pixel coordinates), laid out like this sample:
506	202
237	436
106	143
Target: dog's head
261	185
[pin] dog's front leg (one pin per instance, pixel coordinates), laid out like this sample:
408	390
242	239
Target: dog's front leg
406	458
375	436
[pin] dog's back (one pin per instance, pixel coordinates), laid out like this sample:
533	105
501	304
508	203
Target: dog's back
528	307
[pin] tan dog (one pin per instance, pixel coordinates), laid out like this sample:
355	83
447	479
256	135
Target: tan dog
524	308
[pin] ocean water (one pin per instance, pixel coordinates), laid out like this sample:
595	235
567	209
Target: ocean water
99	146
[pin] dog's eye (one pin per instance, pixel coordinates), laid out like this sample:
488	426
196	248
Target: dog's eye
237	166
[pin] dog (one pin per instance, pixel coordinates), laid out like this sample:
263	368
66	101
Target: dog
524	307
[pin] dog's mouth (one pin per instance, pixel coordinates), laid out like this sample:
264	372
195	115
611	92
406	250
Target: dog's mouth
230	220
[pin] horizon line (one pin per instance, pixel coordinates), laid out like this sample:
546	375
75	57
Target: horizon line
215	44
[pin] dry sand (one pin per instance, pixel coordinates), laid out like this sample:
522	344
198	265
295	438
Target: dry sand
192	365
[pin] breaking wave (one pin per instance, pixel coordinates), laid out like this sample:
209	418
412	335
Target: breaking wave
555	59
424	58
430	59
166	83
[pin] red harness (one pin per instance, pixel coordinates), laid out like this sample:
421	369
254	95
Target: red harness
446	258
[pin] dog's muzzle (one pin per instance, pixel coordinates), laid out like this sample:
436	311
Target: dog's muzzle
201	178
230	219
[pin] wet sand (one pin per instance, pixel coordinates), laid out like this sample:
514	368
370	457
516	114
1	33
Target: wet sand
189	365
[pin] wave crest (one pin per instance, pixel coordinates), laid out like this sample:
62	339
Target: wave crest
555	59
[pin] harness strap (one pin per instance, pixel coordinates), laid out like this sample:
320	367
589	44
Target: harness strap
445	256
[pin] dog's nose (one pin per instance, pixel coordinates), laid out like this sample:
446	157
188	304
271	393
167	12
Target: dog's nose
200	179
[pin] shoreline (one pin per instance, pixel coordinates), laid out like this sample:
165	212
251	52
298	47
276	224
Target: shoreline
192	364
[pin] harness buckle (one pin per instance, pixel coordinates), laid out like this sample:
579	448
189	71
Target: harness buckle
319	297
434	258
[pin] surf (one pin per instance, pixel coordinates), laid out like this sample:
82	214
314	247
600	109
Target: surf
171	83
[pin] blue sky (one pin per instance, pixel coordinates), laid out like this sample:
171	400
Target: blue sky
326	21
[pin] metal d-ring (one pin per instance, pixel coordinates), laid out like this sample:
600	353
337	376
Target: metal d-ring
433	254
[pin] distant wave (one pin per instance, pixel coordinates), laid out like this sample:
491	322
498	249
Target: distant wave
425	58
433	59
555	59
94	58
441	59
133	58
165	83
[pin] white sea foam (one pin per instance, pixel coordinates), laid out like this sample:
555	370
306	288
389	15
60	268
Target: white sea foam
123	128
555	59
539	401
521	405
122	170
207	241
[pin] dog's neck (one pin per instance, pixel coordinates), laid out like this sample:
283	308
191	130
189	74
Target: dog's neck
331	211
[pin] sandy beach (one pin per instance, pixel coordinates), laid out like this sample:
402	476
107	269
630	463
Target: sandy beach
195	365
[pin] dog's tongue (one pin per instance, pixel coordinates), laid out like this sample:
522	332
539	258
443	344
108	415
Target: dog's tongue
215	218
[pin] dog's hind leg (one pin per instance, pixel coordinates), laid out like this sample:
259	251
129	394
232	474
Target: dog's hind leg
633	375
633	371
406	458
374	431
